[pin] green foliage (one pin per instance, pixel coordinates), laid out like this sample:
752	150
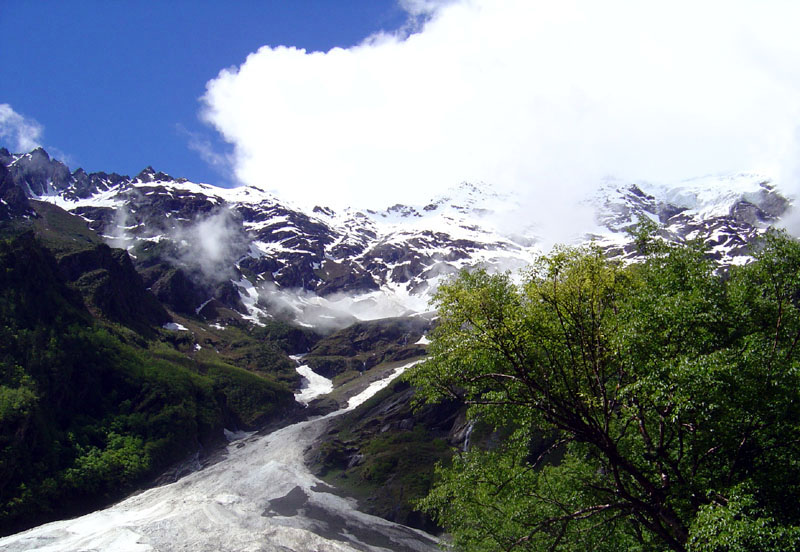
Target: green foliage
89	410
644	235
491	497
252	398
120	461
662	388
384	453
16	403
262	350
61	231
740	525
366	344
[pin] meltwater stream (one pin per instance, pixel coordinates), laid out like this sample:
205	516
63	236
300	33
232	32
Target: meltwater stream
260	497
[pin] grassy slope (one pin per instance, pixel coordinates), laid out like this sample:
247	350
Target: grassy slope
383	453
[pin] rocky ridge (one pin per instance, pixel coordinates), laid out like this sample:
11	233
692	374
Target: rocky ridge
242	252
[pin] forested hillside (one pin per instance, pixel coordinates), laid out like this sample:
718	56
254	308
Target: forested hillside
95	396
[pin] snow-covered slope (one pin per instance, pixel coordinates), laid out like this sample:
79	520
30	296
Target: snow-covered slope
259	497
212	251
725	212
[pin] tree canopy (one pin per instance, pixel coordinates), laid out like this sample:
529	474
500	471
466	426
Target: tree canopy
652	406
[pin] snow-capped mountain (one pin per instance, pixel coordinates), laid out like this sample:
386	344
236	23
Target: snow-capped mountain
725	212
210	251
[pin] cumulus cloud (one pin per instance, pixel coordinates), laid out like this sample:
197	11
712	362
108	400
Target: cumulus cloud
538	97
22	133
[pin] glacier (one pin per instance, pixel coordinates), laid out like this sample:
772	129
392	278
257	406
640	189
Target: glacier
259	498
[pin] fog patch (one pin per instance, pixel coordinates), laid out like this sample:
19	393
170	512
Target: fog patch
790	221
211	245
120	235
332	312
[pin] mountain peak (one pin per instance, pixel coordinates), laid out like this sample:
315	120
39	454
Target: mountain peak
149	174
253	253
40	152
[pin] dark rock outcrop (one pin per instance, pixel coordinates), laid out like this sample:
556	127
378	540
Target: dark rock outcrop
109	281
384	452
364	345
13	201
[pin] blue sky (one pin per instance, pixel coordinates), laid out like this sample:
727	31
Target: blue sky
363	108
115	84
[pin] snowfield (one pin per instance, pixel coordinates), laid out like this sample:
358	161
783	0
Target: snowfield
259	498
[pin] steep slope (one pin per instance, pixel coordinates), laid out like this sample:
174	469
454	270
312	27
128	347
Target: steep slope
95	397
259	496
85	300
363	345
383	453
229	253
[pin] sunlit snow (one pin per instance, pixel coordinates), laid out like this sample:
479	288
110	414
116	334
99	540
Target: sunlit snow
261	497
376	386
314	384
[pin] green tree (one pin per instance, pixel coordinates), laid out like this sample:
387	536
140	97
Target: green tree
642	403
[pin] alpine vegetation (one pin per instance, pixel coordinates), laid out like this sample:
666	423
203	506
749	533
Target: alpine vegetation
648	406
632	392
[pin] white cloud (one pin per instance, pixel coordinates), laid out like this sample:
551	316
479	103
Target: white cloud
542	97
422	7
23	133
211	244
221	162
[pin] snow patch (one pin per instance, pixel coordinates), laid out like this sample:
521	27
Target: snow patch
250	300
201	307
314	385
175	327
376	386
236	435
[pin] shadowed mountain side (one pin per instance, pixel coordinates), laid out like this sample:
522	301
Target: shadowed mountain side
105	277
384	452
359	347
95	397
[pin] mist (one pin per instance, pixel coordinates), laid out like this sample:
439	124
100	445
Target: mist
211	245
22	134
339	310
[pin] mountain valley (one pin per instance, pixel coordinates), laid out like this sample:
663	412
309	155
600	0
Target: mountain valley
149	326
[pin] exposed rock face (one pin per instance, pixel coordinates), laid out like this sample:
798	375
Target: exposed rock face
726	213
39	175
251	253
364	345
13	201
112	285
385	451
